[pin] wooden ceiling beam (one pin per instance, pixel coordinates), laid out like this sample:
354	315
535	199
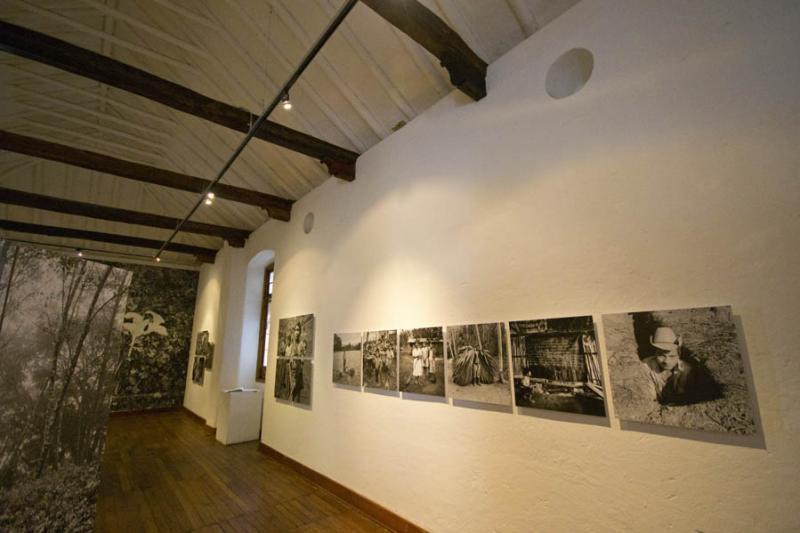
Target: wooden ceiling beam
203	254
278	208
467	70
234	236
60	54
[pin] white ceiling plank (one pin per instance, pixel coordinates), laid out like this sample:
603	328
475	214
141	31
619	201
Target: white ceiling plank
525	17
374	66
141	156
381	130
302	83
157	148
99	33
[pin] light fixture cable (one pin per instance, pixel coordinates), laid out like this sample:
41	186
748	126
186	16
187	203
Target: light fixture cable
334	24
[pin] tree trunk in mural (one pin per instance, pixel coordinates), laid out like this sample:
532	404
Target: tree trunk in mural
55	439
9	283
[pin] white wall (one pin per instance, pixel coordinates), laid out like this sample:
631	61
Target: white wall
670	180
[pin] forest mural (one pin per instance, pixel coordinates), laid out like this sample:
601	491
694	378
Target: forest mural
61	349
79	339
158	325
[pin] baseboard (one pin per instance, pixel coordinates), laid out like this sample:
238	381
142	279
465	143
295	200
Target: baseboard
377	512
145	411
199	419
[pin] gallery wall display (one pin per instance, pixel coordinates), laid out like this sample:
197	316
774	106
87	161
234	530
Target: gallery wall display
422	361
679	368
556	365
296	337
205	348
62	350
477	367
198	370
347	359
294	368
380	360
158	324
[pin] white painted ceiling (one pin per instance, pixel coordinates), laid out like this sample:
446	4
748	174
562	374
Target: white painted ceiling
368	78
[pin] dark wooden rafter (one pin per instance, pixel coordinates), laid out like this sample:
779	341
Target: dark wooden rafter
278	208
60	54
203	254
234	236
467	70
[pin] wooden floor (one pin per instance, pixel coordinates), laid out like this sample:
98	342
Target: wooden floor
166	472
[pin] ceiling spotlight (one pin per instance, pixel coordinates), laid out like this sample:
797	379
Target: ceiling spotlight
210	196
209	201
286	104
80	252
158	259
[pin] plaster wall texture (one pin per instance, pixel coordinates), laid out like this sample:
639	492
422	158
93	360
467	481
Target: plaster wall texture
671	180
197	398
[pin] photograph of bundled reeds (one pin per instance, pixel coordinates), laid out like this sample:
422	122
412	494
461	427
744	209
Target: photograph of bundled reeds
347	356
477	366
422	361
380	360
557	365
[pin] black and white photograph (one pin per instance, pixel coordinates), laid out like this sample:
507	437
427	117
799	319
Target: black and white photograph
477	367
679	368
296	337
198	370
201	347
557	365
380	360
294	380
347	357
210	356
422	361
62	345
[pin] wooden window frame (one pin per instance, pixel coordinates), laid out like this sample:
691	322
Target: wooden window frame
266	301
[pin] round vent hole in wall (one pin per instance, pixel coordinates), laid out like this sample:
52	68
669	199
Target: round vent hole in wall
308	222
569	73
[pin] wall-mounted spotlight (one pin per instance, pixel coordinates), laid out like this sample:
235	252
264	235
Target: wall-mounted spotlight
286	104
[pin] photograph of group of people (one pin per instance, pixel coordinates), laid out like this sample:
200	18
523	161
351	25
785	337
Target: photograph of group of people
680	367
294	369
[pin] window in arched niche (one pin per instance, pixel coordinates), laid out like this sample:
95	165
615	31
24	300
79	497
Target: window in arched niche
263	330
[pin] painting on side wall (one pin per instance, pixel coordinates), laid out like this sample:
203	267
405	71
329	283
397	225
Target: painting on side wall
556	365
477	368
62	345
198	370
201	346
296	337
294	380
380	360
679	368
158	326
347	357
422	361
210	356
283	384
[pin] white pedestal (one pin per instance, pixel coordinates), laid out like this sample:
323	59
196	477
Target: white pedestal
239	417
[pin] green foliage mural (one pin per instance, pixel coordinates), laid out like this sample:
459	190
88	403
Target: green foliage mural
158	325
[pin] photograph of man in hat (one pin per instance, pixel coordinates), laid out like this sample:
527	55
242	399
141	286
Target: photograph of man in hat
678	378
679	367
